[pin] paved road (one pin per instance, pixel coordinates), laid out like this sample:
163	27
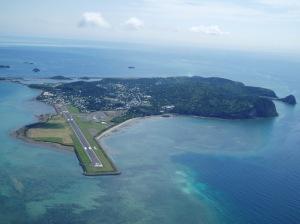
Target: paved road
83	141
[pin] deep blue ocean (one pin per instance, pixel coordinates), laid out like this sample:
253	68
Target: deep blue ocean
174	170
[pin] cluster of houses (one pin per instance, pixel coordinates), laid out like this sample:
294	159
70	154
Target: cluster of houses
118	97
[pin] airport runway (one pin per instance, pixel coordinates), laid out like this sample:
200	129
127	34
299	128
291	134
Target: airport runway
82	139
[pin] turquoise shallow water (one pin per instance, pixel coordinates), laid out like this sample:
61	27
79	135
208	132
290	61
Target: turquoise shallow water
245	171
174	170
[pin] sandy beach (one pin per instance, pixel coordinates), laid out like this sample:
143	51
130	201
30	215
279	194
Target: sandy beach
124	124
117	127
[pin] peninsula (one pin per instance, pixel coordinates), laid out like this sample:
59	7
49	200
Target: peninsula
85	110
207	97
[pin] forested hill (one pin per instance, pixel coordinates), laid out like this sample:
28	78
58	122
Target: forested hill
208	97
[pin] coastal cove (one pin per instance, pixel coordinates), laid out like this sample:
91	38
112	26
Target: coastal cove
235	163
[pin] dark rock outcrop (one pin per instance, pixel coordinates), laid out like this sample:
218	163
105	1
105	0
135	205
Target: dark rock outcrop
290	99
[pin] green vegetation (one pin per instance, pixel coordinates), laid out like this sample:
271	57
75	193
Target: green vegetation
50	139
72	109
82	156
54	130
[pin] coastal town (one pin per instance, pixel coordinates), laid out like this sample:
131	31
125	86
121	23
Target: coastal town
122	99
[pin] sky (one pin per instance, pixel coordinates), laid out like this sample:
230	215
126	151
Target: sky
268	25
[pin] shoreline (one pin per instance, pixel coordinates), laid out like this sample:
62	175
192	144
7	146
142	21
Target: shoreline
128	122
115	128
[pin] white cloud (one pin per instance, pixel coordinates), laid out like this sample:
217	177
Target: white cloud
134	23
93	19
208	30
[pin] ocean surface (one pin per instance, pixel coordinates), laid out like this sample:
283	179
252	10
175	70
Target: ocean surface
174	170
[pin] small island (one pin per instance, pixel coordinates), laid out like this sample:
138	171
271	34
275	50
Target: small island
60	77
290	99
84	78
36	70
86	111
